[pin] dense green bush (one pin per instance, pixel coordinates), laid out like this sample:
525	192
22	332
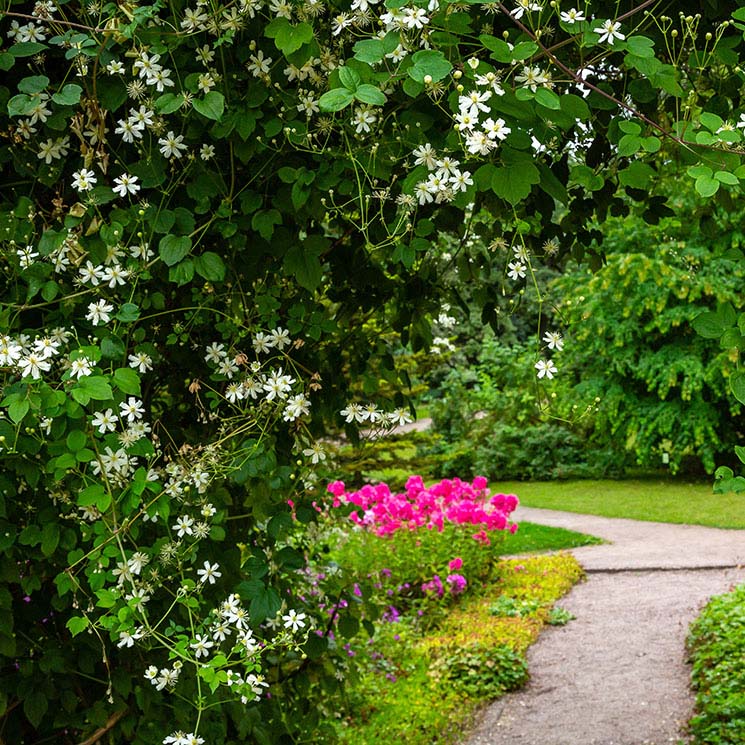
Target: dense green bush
717	646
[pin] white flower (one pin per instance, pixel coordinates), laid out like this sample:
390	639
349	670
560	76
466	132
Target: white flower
207	152
84	180
126	184
183	526
609	32
141	361
532	77
128	640
201	646
115	275
546	368
363	117
26	256
294	620
90	273
105	421
415	17
495	130
296	407
215	353
161	79
572	16
315	453
516	270
151	673
280	337
259	64
81	367
33	365
524	5
129	130
461	181
554	340
209	573
147	65
98	312
425	155
353	413
399	417
132	409
115	68
172	145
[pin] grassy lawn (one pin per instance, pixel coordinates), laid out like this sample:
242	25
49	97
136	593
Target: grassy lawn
531	537
640	499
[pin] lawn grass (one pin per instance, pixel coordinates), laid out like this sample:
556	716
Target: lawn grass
638	499
531	537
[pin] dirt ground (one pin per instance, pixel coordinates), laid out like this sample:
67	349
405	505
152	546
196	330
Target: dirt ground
617	675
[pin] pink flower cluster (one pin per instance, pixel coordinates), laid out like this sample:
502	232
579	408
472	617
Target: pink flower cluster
451	500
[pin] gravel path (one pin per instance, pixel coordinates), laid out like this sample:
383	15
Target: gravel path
617	675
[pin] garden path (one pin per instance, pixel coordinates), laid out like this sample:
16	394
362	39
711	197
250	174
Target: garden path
617	675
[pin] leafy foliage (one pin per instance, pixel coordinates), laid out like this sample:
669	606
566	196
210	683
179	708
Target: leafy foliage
716	643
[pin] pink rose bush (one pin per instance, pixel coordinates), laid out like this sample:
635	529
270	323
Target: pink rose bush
449	501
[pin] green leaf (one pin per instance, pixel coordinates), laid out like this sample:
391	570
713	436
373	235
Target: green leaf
173	248
27	49
629	127
524	50
128	313
182	273
349	78
370	94
369	50
264	604
304	266
112	347
335	100
35	704
265	222
168	103
709	324
127	381
21	105
628	145
548	98
288	38
211	106
77	624
640	46
513	182
737	385
18	409
50	535
33	84
429	62
725	177
707	186
68	95
637	175
96	387
6	61
76	440
210	266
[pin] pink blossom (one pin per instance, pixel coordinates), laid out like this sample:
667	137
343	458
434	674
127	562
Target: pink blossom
450	500
455	564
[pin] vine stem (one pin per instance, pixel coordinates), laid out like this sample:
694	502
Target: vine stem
101	731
